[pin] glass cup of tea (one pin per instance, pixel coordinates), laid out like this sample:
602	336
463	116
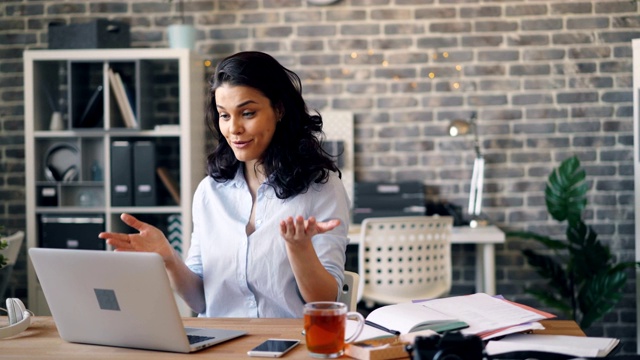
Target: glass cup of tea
325	324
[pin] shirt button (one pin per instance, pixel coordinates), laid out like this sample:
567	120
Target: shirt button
258	222
241	276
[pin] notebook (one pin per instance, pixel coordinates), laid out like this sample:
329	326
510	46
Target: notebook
119	299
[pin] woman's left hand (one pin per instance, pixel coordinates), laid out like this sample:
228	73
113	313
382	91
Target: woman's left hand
301	231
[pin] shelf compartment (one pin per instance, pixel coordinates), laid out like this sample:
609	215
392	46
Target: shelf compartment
51	93
166	154
69	159
86	102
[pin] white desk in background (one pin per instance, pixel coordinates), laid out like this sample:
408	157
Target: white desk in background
484	238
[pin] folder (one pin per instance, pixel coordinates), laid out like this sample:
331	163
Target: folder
121	176
144	173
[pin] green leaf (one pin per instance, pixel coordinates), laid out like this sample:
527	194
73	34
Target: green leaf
551	270
565	193
589	256
600	295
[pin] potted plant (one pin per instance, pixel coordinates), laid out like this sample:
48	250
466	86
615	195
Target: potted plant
584	282
181	35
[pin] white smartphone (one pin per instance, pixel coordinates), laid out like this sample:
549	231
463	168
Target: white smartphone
273	347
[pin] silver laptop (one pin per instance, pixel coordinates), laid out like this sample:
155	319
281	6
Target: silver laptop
117	298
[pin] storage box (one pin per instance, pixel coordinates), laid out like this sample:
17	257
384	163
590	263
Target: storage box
96	34
71	231
47	195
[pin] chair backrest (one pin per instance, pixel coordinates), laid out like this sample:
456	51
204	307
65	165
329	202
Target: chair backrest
404	258
349	293
11	253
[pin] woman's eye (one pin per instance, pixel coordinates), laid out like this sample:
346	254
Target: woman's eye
248	113
224	116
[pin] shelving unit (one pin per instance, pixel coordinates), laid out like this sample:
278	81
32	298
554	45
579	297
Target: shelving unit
68	206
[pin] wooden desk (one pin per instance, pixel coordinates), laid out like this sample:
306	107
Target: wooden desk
41	340
560	327
484	238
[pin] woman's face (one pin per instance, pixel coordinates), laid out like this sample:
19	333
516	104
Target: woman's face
247	120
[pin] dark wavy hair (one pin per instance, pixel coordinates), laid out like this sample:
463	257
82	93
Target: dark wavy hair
294	159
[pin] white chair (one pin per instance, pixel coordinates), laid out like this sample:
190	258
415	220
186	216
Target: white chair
11	254
349	293
404	258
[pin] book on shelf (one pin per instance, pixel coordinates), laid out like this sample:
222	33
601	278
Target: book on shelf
578	346
122	99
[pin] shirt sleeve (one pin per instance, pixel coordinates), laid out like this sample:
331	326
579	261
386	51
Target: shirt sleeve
332	203
194	257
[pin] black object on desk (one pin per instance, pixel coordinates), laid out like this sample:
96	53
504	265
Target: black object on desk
378	199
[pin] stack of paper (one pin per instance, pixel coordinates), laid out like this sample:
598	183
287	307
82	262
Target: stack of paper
578	346
488	315
478	314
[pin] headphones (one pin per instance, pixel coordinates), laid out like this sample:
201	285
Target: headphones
61	162
19	318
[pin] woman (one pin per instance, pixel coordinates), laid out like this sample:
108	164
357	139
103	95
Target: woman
270	219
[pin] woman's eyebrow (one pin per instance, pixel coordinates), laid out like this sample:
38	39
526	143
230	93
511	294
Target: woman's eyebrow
239	105
246	103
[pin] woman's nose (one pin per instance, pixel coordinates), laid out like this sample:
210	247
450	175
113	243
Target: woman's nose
235	126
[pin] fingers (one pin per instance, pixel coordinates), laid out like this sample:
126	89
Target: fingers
117	240
300	229
121	241
327	225
133	222
290	228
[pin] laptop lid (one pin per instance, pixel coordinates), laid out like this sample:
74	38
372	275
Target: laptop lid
119	299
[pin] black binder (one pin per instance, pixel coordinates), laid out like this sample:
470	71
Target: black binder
144	173
121	174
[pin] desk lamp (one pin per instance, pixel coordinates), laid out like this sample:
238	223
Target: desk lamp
463	127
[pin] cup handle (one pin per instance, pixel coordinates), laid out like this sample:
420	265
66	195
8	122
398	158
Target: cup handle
355	316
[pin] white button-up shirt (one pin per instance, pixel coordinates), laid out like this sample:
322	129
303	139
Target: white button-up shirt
251	276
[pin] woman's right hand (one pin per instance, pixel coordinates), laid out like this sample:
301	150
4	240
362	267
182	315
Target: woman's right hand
148	239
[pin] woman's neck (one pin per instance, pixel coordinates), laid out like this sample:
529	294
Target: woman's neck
254	175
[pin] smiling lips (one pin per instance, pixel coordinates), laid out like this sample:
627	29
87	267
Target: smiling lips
240	144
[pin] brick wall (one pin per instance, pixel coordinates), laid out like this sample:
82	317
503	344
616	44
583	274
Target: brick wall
547	79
